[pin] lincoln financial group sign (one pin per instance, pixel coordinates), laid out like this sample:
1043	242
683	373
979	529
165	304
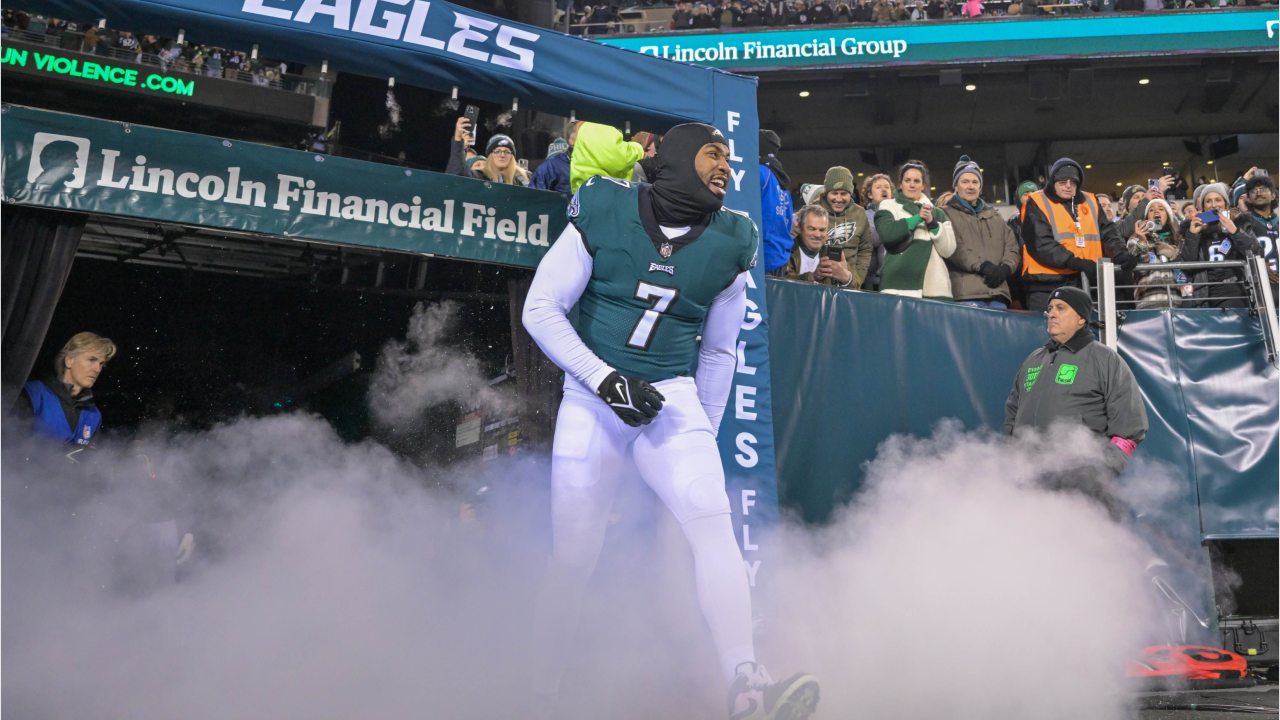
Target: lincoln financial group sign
77	163
994	40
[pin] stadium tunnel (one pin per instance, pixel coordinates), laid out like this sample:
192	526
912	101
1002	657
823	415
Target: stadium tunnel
212	323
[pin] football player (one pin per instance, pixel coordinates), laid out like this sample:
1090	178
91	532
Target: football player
650	268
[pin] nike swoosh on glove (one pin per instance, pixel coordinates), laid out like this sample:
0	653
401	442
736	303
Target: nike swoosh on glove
634	400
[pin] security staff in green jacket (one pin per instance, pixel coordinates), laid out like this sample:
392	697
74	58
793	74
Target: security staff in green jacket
1078	379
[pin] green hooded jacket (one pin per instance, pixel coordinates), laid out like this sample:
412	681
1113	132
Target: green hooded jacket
600	150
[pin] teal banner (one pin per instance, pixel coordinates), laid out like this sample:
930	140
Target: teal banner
994	40
77	163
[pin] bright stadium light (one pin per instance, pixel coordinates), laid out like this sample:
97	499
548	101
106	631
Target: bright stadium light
804	93
970	87
1144	81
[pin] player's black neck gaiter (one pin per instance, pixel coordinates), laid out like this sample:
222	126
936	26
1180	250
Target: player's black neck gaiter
678	196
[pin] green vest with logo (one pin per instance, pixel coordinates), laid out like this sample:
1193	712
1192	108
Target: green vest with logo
644	306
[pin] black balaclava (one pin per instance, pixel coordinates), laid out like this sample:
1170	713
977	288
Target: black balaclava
678	195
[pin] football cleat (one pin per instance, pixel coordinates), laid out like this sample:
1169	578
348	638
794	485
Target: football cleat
755	696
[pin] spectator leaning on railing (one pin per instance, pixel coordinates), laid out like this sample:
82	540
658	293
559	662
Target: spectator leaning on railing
848	226
811	259
987	253
1063	235
917	236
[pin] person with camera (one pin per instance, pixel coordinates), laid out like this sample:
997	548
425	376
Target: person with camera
847	225
987	253
1218	234
1063	235
813	259
1157	239
500	164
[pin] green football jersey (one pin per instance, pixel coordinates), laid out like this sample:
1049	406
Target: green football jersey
643	308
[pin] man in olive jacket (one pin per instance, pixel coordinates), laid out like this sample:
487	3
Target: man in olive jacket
987	253
848	223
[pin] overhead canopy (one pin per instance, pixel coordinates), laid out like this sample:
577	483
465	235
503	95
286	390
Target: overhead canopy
436	45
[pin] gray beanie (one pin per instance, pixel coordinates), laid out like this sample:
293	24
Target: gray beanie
1220	188
965	166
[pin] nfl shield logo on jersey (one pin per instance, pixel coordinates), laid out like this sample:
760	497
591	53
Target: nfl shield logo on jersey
665	250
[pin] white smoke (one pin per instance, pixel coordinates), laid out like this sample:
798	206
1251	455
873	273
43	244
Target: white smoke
392	125
422	371
336	580
955	587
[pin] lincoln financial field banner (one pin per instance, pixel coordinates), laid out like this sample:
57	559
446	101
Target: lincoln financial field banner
76	163
1109	34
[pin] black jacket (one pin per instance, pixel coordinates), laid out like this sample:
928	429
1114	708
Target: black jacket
1037	238
1208	246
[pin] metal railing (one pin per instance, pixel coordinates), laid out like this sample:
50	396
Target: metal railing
1253	279
265	77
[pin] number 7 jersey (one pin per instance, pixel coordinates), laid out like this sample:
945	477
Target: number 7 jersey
643	308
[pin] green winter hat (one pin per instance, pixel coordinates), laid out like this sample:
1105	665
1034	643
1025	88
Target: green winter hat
838	178
1026	187
557	146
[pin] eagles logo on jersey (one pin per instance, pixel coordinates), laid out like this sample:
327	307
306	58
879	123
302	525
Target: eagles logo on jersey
637	313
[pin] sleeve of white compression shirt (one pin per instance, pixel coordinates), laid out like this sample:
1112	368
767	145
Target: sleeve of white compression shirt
718	357
561	277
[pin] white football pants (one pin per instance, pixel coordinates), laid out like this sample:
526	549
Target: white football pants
677	456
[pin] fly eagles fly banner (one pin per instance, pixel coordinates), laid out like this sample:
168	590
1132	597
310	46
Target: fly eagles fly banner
1216	31
76	163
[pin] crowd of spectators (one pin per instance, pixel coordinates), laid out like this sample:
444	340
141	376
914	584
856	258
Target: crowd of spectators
886	234
889	236
167	53
723	14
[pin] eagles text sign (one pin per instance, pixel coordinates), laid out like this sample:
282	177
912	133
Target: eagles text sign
967	41
66	161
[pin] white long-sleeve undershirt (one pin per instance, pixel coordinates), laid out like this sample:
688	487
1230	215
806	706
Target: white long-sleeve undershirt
561	278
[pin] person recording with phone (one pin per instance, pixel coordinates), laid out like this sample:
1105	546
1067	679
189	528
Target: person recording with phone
500	164
1218	234
813	259
1158	239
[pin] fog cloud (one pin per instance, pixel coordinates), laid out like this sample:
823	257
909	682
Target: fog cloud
335	580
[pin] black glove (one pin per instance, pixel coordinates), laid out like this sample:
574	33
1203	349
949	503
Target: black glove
1088	269
633	399
994	275
1125	261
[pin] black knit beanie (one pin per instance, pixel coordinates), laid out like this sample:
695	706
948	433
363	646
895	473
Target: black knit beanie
1075	297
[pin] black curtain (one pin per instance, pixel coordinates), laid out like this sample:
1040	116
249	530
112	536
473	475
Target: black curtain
539	382
38	248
